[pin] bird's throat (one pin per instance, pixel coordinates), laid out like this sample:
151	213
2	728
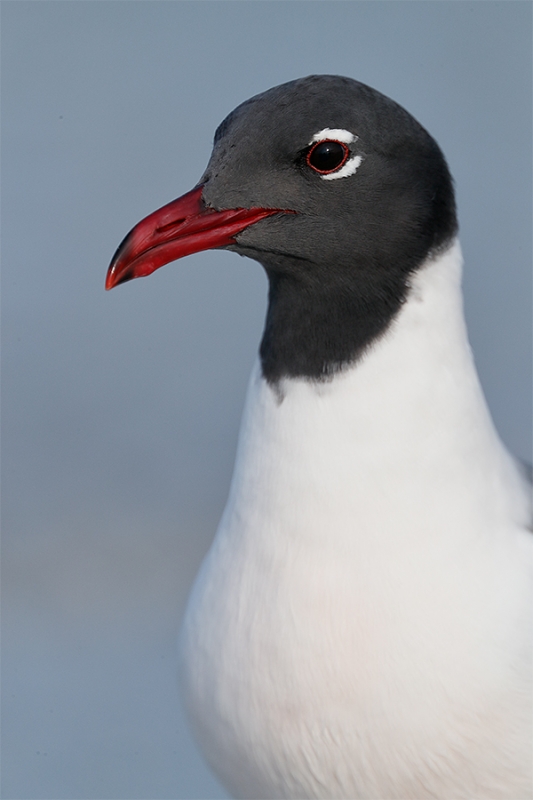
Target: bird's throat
314	331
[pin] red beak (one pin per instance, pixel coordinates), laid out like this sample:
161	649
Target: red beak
178	229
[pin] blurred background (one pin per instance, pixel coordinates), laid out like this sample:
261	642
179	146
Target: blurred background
121	409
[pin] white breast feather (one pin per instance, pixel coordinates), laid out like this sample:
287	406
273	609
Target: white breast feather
357	629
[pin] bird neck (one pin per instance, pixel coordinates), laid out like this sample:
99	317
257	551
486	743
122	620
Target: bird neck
406	427
315	327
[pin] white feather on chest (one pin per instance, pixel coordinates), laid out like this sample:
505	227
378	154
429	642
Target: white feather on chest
355	628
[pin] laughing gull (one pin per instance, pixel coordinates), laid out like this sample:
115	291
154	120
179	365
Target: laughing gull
360	627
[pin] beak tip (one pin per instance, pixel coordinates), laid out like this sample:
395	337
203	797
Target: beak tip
109	280
117	273
114	279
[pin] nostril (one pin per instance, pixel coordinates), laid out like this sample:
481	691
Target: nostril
174	224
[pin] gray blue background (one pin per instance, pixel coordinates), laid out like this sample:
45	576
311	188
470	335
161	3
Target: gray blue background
121	409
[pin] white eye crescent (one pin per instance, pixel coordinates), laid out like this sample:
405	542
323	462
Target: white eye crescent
350	166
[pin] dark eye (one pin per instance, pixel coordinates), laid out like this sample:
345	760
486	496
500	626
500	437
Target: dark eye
327	156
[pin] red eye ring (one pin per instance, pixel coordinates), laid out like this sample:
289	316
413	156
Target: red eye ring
338	165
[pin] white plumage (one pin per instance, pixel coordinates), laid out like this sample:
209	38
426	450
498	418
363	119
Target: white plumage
361	626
